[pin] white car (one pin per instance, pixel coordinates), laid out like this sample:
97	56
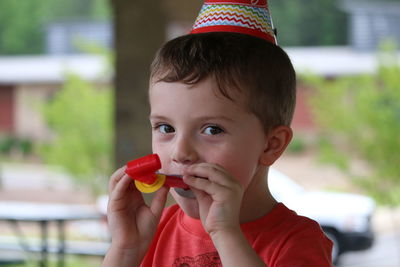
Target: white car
345	218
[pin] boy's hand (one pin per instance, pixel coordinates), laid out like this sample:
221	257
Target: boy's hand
219	196
132	223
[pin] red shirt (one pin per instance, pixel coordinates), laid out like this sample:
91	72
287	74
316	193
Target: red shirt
281	238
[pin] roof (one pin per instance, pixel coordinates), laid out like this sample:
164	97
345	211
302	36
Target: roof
50	69
333	61
371	6
326	61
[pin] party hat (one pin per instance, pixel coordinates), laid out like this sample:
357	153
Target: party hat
242	16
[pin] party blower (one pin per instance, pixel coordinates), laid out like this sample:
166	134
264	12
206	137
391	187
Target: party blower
144	171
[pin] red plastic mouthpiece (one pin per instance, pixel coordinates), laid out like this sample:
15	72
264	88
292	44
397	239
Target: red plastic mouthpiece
143	171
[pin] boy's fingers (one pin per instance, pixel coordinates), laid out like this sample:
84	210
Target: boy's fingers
202	184
200	195
159	200
212	172
115	178
122	185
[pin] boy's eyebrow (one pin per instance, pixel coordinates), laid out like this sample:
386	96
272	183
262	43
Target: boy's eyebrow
157	117
163	118
217	118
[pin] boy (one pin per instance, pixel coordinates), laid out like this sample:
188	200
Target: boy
222	99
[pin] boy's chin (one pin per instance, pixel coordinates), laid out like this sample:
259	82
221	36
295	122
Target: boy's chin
189	205
184	193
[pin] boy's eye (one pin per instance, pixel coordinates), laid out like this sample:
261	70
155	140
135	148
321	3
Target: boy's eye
213	130
165	128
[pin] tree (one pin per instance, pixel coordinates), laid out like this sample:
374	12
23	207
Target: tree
80	117
23	23
139	28
360	116
21	26
309	22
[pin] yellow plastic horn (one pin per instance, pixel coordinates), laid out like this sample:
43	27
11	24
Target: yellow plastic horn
150	188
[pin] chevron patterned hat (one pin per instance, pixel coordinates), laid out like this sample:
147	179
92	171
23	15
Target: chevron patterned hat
242	16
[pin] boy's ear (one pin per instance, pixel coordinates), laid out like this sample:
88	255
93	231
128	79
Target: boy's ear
276	142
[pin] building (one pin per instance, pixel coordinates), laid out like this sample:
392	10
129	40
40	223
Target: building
26	81
328	62
66	37
372	22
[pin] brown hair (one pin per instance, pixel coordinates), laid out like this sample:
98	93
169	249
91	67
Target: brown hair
259	69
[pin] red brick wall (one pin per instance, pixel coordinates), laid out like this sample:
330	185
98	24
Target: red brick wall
7	103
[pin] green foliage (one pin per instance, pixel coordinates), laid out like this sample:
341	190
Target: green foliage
309	22
22	23
20	26
329	154
81	119
297	145
361	118
10	143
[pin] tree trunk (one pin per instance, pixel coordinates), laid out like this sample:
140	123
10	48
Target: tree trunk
139	28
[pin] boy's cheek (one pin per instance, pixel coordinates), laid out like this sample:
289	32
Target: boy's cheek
242	173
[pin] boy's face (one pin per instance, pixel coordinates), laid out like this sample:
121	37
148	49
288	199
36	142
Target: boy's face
195	123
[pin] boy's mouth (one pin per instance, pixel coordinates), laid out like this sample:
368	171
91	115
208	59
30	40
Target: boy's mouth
175	181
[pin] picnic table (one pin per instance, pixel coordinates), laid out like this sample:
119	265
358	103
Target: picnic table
45	214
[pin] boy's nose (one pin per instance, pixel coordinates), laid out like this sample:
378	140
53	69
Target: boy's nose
184	152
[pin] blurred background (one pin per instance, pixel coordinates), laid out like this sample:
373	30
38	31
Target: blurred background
73	83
